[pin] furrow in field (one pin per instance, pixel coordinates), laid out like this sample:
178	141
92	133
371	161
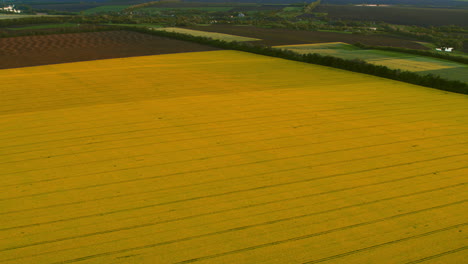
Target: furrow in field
228	157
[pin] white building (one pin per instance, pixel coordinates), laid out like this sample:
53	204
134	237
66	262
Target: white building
445	49
10	8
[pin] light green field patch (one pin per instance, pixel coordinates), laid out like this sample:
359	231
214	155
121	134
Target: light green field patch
8	16
390	59
426	44
198	33
293	8
291	11
460	73
342	50
328	45
136	25
414	64
335	31
104	9
206	9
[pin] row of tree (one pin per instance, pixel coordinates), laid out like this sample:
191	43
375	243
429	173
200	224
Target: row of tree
436	35
360	66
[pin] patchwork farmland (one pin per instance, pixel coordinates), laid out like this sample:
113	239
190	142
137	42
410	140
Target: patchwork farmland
278	36
228	157
393	60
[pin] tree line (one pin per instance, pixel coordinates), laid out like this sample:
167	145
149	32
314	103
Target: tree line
360	66
428	80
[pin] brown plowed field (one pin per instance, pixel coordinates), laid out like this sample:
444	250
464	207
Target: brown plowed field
51	49
276	37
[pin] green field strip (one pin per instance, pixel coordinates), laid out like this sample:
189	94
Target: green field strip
206	9
105	9
213	35
456	73
8	16
293	8
62	25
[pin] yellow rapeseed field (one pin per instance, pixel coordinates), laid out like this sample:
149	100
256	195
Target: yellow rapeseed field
413	65
228	157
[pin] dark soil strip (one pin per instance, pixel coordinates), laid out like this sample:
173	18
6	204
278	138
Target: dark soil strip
61	48
274	37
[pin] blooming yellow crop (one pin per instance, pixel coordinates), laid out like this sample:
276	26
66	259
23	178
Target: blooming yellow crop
228	157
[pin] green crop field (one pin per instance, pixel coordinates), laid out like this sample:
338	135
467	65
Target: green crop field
136	25
393	60
8	16
460	73
220	36
63	25
335	31
102	9
292	8
206	9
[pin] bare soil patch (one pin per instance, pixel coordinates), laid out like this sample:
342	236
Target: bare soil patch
276	37
61	48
